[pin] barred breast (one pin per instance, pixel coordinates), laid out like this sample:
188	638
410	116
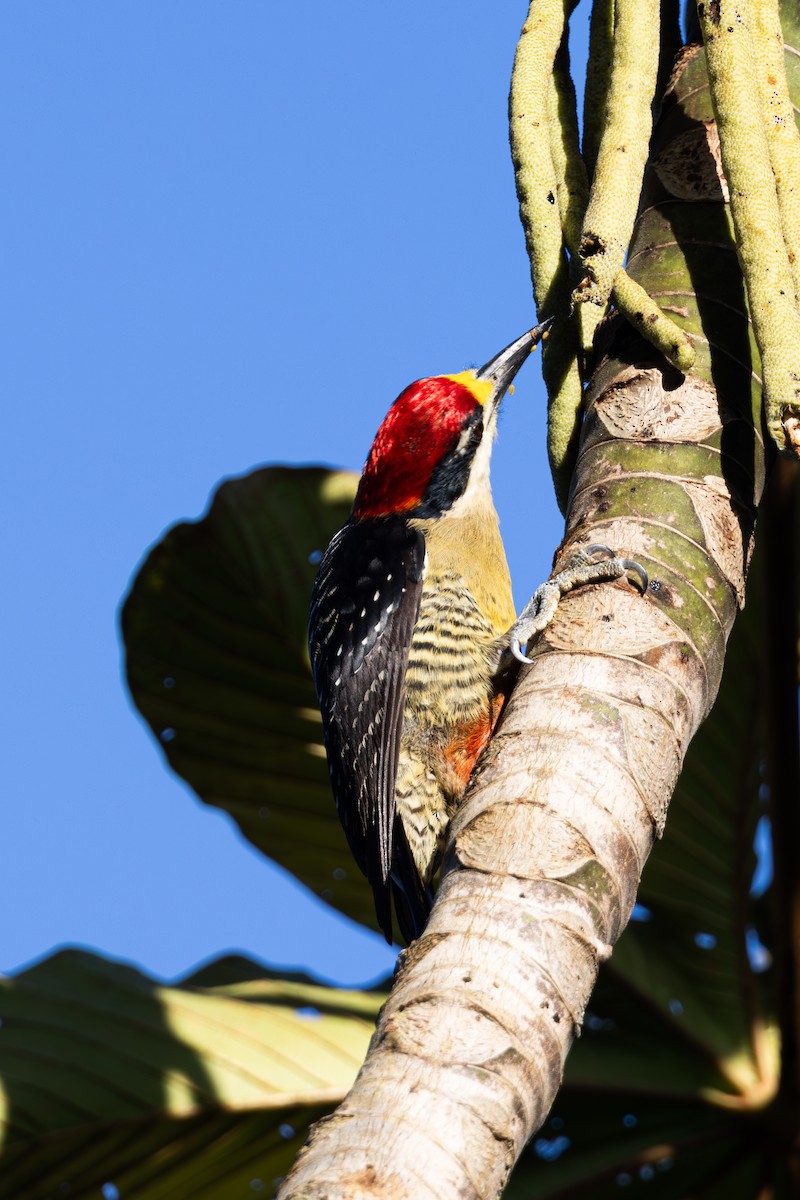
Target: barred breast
451	697
448	673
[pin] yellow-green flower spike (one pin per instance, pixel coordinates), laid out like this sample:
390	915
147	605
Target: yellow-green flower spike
598	79
729	32
562	376
532	146
572	186
572	183
642	311
537	183
783	136
623	149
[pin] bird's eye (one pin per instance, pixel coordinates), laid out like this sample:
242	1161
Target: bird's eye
469	438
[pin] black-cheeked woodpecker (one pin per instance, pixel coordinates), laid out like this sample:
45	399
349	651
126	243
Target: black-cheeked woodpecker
412	624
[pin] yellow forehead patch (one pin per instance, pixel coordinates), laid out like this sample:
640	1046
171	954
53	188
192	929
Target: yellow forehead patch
480	388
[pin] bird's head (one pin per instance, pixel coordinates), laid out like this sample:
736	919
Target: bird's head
427	447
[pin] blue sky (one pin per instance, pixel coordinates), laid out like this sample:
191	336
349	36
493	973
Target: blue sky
233	233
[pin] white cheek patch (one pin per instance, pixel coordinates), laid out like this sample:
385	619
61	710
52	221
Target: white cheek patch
479	473
463	442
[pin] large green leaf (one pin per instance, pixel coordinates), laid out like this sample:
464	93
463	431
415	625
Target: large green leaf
215	636
201	1090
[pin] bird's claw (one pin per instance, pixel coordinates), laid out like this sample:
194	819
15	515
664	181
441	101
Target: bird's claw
630	564
515	647
583	567
587	553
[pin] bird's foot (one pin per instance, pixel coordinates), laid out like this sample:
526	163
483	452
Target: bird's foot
583	567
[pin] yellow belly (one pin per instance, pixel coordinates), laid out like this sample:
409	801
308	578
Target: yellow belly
451	700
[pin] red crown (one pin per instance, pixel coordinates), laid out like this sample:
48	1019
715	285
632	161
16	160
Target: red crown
420	428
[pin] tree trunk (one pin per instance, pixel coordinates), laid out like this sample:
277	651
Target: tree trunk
545	855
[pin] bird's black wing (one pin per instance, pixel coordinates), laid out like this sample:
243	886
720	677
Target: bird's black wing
364	607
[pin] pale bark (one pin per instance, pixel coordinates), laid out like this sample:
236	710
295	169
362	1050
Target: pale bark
546	853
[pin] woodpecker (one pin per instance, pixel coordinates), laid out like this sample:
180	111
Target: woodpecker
412	625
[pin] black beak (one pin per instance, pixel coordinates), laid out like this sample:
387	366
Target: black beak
503	367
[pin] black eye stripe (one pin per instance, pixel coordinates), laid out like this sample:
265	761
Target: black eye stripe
451	476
